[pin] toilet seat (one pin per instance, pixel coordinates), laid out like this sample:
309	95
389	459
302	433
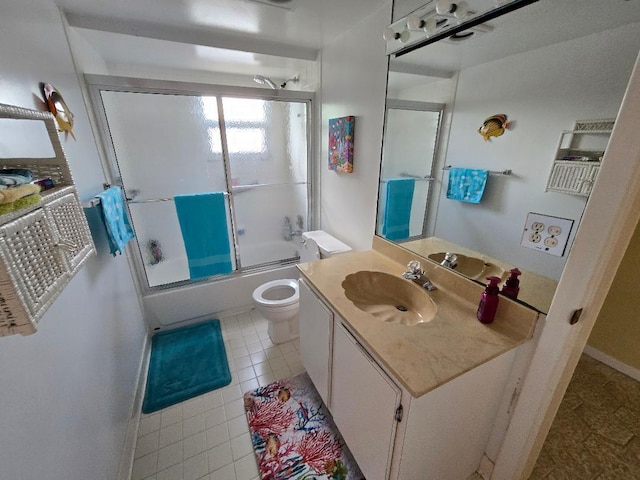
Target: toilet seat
262	293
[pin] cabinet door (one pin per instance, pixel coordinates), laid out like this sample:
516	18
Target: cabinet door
364	402
72	231
316	325
36	266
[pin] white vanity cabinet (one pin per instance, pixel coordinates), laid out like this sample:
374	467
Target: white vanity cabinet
441	435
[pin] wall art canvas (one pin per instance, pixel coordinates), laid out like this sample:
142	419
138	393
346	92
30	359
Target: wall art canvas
341	132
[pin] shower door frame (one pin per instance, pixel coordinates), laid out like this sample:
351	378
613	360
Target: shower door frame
98	83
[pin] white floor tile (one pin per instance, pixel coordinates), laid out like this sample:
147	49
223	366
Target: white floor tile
234	409
241	446
219	456
246	468
194	445
170	434
147	444
196	467
144	466
169	456
217	435
225	473
207	437
172	473
238	426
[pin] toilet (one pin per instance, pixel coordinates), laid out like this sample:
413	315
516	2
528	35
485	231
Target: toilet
279	300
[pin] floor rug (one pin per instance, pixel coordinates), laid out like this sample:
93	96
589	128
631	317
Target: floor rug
293	434
185	362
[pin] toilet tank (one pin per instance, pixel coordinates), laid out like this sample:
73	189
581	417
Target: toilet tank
319	244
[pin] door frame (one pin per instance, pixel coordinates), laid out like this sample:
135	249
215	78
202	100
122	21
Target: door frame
609	221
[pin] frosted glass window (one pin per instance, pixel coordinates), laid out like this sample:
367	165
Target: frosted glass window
239	140
277	155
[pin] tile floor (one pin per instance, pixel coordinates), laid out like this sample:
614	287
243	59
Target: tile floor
596	433
207	437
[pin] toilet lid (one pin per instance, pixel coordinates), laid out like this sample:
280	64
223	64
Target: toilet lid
277	293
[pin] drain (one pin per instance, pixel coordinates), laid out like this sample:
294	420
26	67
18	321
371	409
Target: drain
402	308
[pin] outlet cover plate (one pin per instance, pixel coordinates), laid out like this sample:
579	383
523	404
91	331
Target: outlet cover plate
546	233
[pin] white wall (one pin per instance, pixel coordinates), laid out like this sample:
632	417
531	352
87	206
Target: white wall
544	92
66	391
353	83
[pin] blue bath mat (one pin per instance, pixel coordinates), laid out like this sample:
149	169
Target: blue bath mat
185	362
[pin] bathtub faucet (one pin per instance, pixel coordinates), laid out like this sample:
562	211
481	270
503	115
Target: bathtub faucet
288	231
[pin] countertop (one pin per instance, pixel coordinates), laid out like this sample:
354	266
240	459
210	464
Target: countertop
425	356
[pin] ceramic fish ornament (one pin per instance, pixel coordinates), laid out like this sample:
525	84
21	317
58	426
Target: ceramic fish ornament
58	107
493	126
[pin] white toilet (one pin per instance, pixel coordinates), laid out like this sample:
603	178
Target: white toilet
279	300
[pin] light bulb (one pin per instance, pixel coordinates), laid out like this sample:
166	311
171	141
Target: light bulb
405	36
461	9
389	34
443	7
414	22
431	26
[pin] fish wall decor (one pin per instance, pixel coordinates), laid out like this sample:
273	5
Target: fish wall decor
494	126
58	107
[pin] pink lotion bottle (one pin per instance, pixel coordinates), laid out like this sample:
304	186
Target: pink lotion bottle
512	286
489	301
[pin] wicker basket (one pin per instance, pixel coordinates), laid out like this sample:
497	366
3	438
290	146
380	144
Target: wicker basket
43	245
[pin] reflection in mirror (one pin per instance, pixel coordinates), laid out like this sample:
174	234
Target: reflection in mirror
13	139
546	66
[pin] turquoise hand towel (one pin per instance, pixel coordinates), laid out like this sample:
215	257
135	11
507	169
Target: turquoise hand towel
466	184
203	222
397	211
113	213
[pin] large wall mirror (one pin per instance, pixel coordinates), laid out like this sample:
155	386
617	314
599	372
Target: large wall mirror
545	66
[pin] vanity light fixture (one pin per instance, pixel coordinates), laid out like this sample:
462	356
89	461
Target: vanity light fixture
429	26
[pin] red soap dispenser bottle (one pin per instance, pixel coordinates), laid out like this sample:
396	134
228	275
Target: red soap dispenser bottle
489	301
512	286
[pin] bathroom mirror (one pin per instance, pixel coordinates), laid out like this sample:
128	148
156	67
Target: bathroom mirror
545	66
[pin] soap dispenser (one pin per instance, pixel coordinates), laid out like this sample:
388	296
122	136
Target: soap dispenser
512	286
489	301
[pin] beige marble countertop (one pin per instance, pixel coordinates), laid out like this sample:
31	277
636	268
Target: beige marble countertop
425	356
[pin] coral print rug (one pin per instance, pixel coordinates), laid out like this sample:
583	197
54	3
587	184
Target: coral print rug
293	434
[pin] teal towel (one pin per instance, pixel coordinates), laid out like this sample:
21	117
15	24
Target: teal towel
397	211
114	215
203	222
466	184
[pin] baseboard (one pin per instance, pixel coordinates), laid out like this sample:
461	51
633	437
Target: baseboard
129	447
612	362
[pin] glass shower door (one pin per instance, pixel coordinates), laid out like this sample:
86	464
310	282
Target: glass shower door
163	148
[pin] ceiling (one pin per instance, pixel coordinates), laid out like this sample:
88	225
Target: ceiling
230	36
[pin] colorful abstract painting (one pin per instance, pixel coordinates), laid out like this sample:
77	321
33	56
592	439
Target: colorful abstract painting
294	436
341	132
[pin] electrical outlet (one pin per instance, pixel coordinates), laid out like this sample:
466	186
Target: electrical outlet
546	233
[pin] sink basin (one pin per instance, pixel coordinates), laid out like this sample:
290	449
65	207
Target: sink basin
389	298
472	267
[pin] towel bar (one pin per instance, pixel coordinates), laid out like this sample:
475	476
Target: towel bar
491	172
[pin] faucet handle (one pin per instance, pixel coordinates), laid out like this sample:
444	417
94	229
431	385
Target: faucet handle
414	267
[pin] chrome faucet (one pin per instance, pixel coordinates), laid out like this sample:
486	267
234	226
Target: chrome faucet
416	274
450	260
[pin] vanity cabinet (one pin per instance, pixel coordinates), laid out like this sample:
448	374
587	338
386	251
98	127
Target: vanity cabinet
578	157
441	435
